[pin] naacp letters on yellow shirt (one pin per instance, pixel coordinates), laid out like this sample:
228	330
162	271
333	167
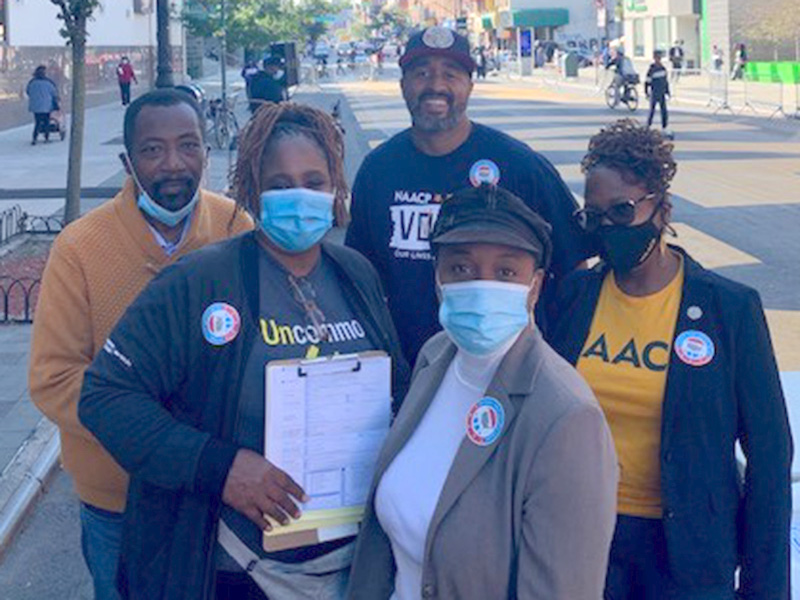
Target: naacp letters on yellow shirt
624	361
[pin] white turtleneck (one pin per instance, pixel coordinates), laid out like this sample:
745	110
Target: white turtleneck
409	490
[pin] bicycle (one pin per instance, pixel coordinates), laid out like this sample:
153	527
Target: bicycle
224	126
629	96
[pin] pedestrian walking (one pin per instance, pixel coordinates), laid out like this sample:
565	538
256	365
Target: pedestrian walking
248	72
178	398
42	100
681	361
676	56
268	85
739	62
125	75
656	88
481	63
401	185
96	268
717	57
518	484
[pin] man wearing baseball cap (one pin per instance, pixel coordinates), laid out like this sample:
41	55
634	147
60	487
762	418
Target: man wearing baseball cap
400	186
499	444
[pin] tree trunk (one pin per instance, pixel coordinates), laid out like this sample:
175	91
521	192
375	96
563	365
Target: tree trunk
72	206
164	78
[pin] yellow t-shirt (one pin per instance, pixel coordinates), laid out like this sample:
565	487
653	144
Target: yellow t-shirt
625	362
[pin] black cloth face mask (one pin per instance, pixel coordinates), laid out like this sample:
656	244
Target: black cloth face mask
625	247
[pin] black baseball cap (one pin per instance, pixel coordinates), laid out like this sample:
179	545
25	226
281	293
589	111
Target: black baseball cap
438	41
492	215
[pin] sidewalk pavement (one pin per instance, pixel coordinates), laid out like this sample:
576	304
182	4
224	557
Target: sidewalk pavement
29	444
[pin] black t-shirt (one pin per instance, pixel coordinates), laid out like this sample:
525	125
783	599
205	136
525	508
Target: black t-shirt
286	332
264	86
396	199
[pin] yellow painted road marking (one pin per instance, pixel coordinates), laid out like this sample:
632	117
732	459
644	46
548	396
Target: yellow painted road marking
708	250
784	326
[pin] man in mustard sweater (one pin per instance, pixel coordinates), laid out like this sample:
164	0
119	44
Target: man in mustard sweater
97	267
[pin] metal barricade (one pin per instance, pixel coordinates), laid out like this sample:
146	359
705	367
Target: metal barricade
718	91
796	114
740	96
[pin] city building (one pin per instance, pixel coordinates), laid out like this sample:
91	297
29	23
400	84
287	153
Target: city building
703	24
29	36
516	25
656	25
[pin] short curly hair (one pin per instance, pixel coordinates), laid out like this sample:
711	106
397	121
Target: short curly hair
638	153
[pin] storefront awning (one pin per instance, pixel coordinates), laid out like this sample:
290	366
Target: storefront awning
541	17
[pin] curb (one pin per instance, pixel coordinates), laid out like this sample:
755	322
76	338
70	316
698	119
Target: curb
25	478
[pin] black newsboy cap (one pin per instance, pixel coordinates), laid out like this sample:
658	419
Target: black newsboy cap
492	215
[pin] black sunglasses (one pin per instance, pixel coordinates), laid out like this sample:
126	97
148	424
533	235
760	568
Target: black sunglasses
622	213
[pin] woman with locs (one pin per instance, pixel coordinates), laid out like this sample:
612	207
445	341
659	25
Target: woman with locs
178	396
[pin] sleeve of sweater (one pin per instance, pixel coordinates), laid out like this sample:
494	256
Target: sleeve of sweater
131	394
61	346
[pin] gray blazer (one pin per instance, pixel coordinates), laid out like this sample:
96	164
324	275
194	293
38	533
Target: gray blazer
529	516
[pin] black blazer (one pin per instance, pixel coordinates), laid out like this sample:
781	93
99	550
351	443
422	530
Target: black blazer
164	403
713	521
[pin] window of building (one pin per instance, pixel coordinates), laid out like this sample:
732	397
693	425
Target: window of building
661	36
638	37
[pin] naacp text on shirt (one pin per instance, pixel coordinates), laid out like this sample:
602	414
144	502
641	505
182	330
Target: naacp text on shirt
413	217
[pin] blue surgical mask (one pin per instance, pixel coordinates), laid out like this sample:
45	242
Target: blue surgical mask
170	218
297	218
153	209
482	316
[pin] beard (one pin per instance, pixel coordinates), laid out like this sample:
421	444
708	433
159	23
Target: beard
179	192
435	123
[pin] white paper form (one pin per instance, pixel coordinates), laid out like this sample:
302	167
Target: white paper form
326	421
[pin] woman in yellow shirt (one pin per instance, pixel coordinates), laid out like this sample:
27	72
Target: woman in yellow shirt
681	361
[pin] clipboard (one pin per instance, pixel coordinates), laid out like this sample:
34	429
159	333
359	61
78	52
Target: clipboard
325	422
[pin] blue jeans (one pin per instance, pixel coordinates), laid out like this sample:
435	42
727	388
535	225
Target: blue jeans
101	537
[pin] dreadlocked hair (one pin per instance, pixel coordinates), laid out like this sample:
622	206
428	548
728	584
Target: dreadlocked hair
274	122
638	153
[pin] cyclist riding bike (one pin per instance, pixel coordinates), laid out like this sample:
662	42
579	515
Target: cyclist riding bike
625	74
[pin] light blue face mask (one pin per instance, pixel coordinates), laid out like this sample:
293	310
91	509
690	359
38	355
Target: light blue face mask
153	209
170	218
481	316
297	218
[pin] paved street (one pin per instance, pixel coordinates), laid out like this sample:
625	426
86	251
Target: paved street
736	207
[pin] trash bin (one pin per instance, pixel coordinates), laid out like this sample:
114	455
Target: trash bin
571	62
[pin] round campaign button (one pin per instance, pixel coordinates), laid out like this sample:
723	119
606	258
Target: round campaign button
694	313
438	37
694	348
485	421
220	323
484	171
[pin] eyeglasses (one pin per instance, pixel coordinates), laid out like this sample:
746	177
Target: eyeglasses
622	213
304	294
